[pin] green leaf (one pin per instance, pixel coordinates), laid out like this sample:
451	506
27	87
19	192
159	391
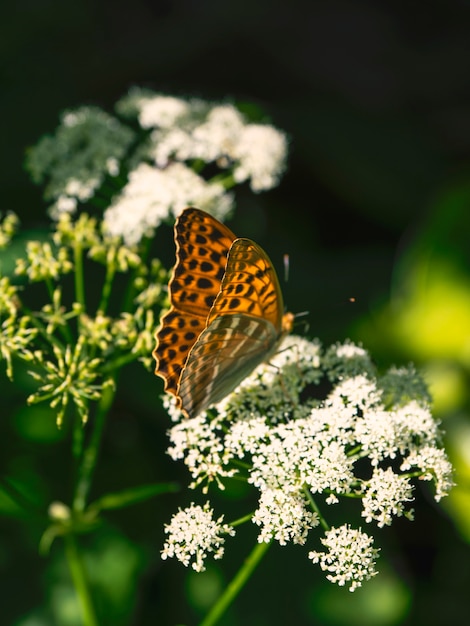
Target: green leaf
128	497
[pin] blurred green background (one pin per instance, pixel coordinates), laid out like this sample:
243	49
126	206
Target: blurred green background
375	207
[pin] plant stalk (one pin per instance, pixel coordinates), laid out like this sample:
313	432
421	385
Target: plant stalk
90	454
236	584
80	581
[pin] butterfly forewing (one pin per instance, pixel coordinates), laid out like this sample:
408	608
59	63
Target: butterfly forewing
225	316
202	245
175	338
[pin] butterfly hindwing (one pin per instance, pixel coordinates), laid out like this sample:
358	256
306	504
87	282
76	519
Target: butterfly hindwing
225	353
242	329
249	285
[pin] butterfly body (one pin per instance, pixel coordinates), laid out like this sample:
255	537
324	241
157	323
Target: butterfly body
226	314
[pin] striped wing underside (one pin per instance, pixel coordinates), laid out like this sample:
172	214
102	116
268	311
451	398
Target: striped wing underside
243	329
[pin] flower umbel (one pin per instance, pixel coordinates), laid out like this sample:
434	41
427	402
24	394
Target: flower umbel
43	263
16	333
78	157
304	432
15	339
111	180
193	534
8	227
55	313
350	558
188	152
153	195
385	496
284	517
303	451
70	378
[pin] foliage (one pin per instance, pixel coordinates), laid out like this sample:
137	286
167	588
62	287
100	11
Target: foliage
298	435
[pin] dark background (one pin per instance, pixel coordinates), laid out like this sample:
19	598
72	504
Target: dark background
375	97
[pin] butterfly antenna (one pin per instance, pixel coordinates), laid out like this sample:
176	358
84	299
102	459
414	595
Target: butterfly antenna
305	324
286	268
286	278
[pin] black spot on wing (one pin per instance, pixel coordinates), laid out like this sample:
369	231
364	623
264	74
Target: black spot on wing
204	283
207	267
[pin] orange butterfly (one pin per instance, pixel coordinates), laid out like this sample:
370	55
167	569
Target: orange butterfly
226	314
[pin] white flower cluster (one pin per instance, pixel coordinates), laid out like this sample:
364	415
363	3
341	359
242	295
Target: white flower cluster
385	495
186	130
188	152
74	191
193	533
201	446
350	557
284	517
87	147
152	195
304	428
184	137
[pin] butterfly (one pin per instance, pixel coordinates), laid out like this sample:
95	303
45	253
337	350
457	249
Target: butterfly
226	314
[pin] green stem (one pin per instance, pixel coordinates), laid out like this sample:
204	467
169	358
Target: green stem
236	584
42	328
78	440
119	362
225	179
78	437
79	280
90	454
242	520
49	287
23	502
315	508
130	293
80	582
110	273
108	282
